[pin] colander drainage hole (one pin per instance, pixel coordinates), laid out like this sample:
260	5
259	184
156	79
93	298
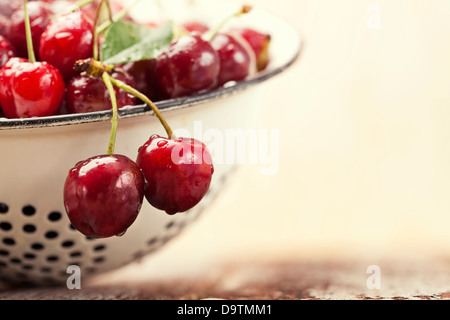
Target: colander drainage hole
75	254
29	228
29	256
28	210
5	226
46	270
100	247
37	246
9	241
54	216
52	258
51	234
67	244
98	259
3	208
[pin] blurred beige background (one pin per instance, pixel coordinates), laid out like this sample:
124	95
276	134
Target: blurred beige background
364	145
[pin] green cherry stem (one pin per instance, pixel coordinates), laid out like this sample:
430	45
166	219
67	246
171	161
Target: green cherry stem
115	118
144	98
31	56
74	7
118	16
95	49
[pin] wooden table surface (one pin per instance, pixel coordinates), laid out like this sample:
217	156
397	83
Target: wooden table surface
413	279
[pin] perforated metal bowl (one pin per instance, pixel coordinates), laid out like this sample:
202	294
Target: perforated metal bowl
37	241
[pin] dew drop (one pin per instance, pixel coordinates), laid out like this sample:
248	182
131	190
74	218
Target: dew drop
101	166
161	143
197	182
121	233
72	172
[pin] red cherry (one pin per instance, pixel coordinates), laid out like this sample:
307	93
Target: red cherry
237	60
30	89
189	65
3	25
103	195
177	172
40	14
6	51
87	94
259	42
67	39
143	74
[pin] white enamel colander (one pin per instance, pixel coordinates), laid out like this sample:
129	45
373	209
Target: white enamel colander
37	241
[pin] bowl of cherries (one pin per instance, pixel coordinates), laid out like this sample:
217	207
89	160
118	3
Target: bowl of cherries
97	106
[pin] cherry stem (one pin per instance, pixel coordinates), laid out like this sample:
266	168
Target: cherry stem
109	11
115	118
105	25
144	98
77	5
95	37
244	10
31	56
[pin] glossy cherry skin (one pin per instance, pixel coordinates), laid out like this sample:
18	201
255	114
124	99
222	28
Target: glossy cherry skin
237	60
260	42
177	172
189	65
103	195
6	51
87	94
143	73
40	14
67	39
30	89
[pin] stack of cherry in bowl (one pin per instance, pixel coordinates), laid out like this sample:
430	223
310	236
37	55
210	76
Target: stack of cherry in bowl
195	60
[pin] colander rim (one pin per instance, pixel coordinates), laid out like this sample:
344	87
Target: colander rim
142	109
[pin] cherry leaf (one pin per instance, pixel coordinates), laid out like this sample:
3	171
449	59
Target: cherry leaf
127	41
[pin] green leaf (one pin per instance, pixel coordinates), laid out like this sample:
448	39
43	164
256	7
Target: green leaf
127	41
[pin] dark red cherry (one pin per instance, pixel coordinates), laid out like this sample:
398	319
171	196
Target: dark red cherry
103	195
4	22
260	43
177	172
6	51
67	39
87	94
189	65
30	89
237	60
143	74
40	14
